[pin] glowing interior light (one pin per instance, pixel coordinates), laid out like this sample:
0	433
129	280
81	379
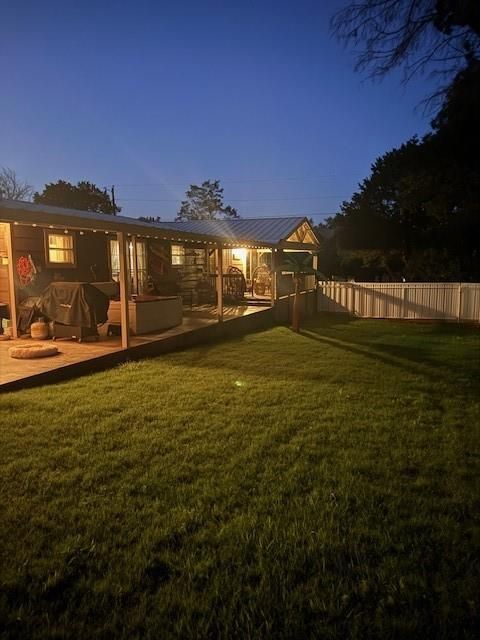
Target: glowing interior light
240	254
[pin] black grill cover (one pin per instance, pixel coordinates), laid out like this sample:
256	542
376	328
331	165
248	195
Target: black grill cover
77	304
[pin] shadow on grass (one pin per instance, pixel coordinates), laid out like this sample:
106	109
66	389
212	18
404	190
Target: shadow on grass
396	358
405	359
426	348
406	348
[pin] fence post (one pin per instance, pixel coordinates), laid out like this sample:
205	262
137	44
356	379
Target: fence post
404	305
459	308
352	286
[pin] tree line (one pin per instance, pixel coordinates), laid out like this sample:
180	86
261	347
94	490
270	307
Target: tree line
416	216
202	202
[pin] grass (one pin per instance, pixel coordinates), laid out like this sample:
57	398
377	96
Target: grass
322	485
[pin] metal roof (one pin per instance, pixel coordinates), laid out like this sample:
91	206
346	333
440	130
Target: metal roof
266	232
269	231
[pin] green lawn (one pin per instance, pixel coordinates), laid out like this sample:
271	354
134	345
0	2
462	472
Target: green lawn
322	485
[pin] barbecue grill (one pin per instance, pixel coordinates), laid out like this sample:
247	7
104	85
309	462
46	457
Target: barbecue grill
76	309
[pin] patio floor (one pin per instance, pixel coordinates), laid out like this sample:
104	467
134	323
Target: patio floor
71	352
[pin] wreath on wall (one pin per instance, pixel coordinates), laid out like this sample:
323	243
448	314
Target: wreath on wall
26	270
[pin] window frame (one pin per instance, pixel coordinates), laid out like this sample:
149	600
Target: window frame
133	269
49	264
180	255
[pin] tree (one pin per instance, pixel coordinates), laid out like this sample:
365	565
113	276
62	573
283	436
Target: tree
12	188
205	202
439	35
85	196
417	214
151	219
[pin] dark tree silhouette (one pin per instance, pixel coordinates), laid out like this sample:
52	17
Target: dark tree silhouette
205	202
434	35
85	196
12	188
151	219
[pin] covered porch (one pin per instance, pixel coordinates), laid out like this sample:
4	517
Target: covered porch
152	282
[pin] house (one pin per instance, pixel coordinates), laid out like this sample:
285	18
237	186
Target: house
191	262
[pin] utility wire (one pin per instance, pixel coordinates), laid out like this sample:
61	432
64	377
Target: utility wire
234	199
180	184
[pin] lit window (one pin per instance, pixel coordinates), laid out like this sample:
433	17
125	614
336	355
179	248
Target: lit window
178	254
60	249
137	264
115	260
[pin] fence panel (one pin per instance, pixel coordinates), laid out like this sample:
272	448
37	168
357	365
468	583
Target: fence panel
284	306
412	300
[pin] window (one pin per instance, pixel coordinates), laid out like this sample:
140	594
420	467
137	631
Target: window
60	249
178	255
115	260
137	264
141	266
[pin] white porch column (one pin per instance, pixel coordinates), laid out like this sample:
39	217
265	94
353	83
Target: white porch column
11	280
124	277
273	285
219	282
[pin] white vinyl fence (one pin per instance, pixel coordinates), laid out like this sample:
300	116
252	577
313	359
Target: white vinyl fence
412	300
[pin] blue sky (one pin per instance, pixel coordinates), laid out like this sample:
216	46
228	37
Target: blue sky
153	96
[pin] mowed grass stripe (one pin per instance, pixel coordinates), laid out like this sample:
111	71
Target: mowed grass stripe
278	485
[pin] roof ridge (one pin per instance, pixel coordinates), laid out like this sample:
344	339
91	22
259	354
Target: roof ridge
299	217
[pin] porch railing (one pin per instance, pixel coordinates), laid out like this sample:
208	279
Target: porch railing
233	285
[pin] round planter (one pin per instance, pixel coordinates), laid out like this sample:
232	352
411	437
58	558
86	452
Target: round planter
39	330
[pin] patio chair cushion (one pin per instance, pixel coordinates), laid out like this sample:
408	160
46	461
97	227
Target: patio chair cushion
32	351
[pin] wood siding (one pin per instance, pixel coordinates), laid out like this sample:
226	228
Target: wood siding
4	292
91	254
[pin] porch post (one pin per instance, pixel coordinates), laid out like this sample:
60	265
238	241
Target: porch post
207	261
315	266
11	280
219	282
273	285
124	276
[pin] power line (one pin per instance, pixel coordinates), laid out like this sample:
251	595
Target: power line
283	198
180	184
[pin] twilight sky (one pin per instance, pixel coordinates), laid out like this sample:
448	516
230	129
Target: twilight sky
152	96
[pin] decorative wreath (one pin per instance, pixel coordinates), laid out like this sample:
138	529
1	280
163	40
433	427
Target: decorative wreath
26	270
